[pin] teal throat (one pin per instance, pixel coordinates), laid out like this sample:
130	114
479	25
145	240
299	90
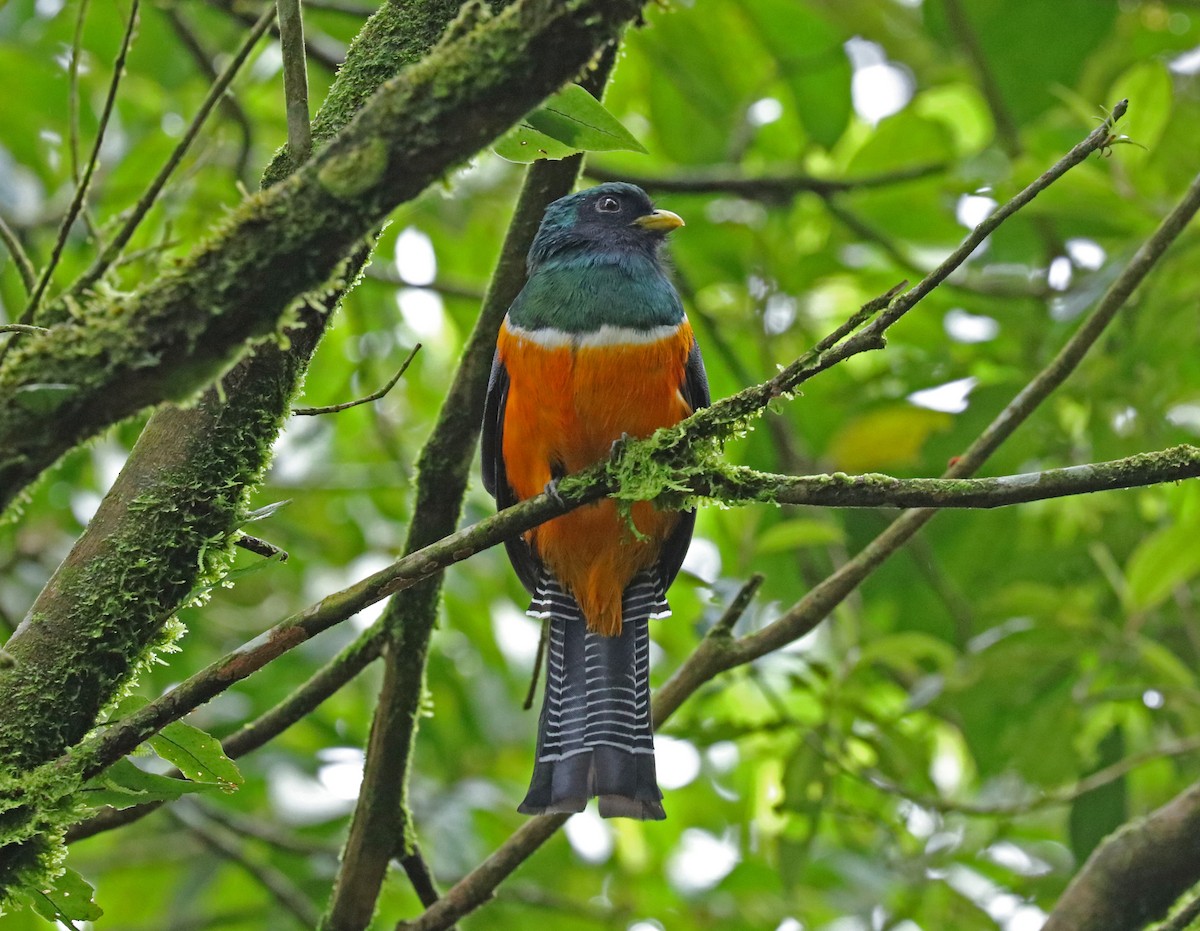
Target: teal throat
586	290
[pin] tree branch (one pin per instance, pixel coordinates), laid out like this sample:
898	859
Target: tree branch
173	336
1137	873
776	189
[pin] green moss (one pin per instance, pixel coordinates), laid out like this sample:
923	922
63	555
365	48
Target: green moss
354	171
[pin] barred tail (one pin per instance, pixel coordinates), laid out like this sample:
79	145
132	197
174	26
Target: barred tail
595	736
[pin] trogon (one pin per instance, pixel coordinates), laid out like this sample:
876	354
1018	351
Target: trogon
596	347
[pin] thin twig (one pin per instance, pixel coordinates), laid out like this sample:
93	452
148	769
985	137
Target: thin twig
317	46
295	80
229	104
418	873
20	328
340	670
543	637
20	259
386	272
778	188
346	405
1043	799
1183	920
81	189
260	547
286	893
216	93
73	102
737	607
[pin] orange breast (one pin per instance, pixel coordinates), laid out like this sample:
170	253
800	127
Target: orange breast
566	406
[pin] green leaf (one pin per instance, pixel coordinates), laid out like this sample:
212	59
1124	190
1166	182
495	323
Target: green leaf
886	437
265	511
797	533
43	397
810	57
123	785
68	901
571	121
1162	562
197	754
1096	814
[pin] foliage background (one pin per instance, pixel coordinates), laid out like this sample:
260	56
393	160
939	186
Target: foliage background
1003	654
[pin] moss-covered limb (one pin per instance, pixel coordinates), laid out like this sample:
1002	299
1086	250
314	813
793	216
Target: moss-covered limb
1136	874
209	464
739	485
91	626
171	338
382	825
398	34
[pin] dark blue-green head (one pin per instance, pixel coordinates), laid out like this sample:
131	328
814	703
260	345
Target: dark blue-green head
594	263
607	221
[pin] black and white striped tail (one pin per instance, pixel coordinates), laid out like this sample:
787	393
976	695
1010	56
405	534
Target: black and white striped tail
594	736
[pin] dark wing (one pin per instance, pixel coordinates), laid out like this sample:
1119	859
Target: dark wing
495	478
695	392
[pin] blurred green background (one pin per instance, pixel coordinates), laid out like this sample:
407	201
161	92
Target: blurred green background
877	775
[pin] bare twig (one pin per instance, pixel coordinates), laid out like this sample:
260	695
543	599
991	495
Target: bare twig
229	103
295	80
537	665
346	405
217	838
73	102
260	547
81	189
778	188
418	873
20	259
216	93
1035	802
347	664
20	328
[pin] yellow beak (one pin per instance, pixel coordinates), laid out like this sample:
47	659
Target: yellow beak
660	221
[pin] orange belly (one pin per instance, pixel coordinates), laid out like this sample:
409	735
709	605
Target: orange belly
566	406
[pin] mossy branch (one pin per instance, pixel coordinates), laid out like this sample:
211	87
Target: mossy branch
171	338
190	473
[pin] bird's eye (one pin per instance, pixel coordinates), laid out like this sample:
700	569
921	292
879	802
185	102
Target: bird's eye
608	205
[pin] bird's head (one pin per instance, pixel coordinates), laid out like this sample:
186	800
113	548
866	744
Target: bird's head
610	218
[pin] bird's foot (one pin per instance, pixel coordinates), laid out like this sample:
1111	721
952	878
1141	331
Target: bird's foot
618	447
552	490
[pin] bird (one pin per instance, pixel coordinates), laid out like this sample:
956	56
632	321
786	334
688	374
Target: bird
595	349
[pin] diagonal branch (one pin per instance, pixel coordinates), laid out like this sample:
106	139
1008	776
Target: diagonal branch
172	337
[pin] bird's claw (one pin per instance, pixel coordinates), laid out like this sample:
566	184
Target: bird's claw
618	447
552	490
